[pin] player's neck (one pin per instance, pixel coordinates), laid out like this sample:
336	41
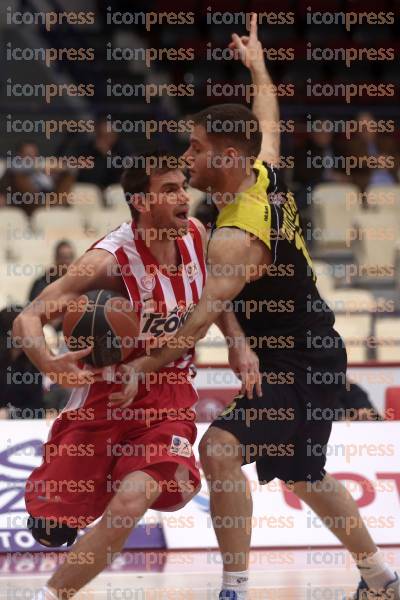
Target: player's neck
231	186
165	251
162	246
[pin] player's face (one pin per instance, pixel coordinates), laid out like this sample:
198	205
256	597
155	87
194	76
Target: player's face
169	202
200	158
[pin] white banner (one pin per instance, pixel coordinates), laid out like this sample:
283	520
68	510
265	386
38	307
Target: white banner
364	456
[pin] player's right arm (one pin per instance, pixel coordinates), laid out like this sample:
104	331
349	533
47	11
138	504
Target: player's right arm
242	359
97	269
265	105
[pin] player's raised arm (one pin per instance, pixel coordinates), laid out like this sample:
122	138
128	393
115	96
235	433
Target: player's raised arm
265	105
93	270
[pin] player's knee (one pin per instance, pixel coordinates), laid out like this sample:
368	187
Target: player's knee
128	505
203	449
219	450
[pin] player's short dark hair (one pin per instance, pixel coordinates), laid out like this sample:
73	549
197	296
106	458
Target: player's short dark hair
232	125
136	179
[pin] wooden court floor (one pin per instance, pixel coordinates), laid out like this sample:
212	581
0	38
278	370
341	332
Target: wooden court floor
287	574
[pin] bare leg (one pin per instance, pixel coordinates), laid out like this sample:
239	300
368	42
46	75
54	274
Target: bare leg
338	510
136	494
230	497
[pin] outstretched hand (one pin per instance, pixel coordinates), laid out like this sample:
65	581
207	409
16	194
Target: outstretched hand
248	47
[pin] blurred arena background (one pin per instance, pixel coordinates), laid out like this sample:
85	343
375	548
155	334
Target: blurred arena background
62	155
70	122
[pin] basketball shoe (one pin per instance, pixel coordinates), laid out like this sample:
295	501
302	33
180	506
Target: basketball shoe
390	592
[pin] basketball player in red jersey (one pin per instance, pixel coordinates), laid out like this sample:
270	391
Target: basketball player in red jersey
101	459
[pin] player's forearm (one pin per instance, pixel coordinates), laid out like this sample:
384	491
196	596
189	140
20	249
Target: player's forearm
265	105
28	335
266	109
28	326
234	334
191	332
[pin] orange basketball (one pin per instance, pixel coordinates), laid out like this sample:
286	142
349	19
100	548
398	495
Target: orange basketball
105	320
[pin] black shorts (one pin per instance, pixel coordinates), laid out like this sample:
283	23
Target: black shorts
286	430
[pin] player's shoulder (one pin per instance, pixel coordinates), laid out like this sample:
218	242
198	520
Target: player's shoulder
270	176
116	238
196	225
98	257
229	240
275	182
234	245
101	255
95	269
250	212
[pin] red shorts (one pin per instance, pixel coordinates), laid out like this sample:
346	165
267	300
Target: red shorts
92	447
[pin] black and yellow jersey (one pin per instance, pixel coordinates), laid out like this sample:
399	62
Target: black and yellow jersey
283	308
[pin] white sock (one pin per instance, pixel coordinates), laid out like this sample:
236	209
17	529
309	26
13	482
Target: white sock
375	571
45	594
237	581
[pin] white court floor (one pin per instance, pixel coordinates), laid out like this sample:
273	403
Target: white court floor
318	574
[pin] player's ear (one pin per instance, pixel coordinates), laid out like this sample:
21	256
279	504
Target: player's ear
234	158
139	202
231	152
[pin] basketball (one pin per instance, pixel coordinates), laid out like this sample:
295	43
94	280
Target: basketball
105	320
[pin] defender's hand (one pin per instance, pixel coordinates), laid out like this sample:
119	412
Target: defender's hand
244	362
131	373
249	47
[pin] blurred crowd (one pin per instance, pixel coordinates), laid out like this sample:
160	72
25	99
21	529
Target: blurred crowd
25	392
317	157
30	173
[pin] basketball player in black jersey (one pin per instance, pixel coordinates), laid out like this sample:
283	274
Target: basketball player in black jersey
259	267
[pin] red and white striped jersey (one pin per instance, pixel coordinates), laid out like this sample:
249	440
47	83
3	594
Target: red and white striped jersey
162	302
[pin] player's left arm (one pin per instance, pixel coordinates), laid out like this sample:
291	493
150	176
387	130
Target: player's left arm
265	104
229	259
242	359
